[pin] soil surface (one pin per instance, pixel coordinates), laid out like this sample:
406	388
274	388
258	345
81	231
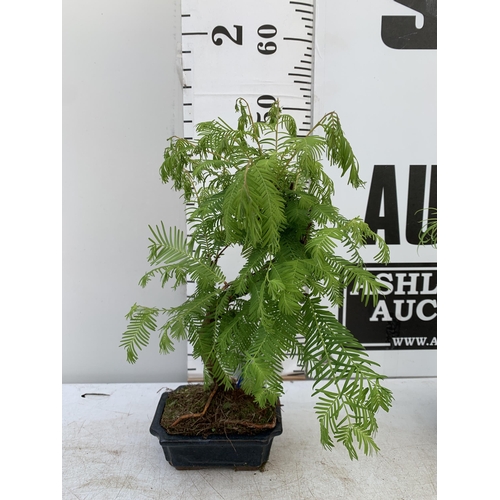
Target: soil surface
193	410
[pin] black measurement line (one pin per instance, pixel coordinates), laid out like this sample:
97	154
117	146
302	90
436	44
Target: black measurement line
305	62
185	15
299	74
188	139
307	19
299	81
186	52
188	104
195	33
188	121
296	39
297	109
309	90
304	11
303	3
300	67
308	26
186	69
187	87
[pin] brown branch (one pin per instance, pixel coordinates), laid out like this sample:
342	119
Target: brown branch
196	415
218	256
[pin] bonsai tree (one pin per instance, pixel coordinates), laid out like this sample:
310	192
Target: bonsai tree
262	189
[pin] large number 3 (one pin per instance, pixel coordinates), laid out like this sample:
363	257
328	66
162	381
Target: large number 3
221	30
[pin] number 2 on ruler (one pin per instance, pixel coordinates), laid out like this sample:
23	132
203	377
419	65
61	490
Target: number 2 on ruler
264	31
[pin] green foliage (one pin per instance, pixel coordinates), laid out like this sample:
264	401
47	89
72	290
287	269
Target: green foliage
429	235
262	189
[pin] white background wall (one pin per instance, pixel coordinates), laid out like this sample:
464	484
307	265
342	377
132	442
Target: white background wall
122	98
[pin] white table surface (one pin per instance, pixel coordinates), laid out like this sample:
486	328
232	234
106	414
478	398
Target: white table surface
108	452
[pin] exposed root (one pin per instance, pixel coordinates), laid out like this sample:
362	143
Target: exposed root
193	411
201	414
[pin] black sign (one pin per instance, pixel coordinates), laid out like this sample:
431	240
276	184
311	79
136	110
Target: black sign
401	32
405	316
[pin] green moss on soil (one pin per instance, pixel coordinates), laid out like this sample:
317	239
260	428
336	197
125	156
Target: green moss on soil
229	412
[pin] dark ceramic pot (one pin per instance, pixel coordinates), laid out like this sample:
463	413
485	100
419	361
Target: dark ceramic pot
235	451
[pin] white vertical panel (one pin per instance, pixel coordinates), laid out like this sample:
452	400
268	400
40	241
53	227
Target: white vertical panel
121	100
376	66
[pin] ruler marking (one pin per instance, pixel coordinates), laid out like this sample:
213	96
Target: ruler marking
299	81
307	19
296	39
195	33
304	11
300	67
299	74
303	3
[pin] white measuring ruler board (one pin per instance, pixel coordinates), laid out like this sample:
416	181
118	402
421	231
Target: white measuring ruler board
329	55
260	50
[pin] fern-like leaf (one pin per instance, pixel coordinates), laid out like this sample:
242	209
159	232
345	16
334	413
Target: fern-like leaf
142	321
